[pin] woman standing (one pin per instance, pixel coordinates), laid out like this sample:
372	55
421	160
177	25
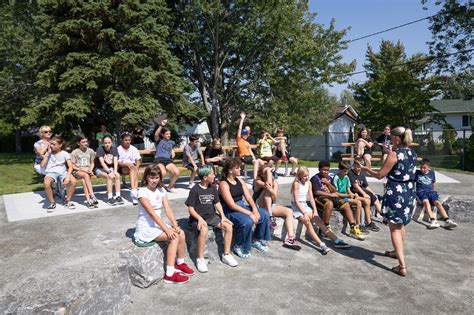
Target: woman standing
399	199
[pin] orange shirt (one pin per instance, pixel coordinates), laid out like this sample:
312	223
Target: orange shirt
243	147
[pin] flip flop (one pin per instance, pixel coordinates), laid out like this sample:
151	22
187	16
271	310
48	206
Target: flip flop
141	243
391	254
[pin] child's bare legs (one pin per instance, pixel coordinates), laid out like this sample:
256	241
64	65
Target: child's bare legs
175	247
174	174
86	184
378	206
358	205
277	165
287	213
202	241
324	228
359	147
227	228
294	164
441	209
429	211
310	230
366	204
347	212
48	188
71	188
193	175
116	178
327	211
256	165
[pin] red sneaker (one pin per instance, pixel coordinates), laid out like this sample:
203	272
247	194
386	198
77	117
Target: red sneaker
284	158
184	269
176	278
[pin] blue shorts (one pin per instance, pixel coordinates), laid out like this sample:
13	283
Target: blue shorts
56	176
431	196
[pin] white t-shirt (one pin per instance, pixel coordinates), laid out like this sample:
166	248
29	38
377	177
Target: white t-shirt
57	163
156	200
128	156
303	189
39	145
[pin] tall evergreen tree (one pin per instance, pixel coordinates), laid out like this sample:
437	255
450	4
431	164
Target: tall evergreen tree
398	89
104	61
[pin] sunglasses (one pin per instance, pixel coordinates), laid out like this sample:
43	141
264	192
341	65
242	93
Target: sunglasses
47	131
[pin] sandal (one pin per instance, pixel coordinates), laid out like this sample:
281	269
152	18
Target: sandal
238	251
391	254
400	270
260	246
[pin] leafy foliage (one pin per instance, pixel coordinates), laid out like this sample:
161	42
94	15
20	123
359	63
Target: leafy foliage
398	90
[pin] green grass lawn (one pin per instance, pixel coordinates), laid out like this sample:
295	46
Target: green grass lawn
17	173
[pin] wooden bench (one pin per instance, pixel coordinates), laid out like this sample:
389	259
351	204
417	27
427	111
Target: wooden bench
376	156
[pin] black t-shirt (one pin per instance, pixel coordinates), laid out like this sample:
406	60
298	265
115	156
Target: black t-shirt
210	152
360	180
137	132
385	140
107	155
203	201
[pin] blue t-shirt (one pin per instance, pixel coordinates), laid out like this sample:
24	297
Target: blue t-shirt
164	148
424	182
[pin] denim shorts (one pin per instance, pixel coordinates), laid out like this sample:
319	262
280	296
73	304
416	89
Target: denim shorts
432	196
297	212
56	176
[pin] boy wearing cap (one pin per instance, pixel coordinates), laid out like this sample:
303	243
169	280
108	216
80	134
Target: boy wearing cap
244	152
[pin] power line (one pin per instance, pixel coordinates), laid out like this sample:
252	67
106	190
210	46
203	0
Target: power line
390	29
411	62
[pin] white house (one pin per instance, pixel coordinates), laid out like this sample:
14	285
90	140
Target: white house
325	146
458	113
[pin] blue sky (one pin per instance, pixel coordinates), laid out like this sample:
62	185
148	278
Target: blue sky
370	16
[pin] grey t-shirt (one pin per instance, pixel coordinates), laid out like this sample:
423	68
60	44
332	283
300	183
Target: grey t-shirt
82	159
164	148
57	163
192	152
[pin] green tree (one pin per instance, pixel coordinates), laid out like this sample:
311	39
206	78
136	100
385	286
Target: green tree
458	86
104	61
452	30
17	63
397	91
267	58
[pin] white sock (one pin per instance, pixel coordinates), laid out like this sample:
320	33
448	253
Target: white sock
179	261
93	196
134	193
109	195
169	270
117	194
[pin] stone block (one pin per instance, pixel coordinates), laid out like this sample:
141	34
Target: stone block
145	265
460	209
214	243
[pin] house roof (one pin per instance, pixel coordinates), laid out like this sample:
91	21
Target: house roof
454	106
347	110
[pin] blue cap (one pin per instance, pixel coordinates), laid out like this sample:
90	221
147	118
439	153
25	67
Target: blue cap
244	132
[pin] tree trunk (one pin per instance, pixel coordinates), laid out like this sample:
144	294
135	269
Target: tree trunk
18	141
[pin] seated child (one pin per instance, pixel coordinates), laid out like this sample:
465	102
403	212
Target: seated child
214	155
327	198
244	151
165	154
129	161
265	151
360	186
152	198
300	191
192	157
202	202
282	152
83	164
425	179
106	166
58	167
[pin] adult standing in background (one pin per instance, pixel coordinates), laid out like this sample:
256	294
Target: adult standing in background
101	134
41	147
399	199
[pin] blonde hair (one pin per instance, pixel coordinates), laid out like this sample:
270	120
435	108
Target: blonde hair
405	134
42	129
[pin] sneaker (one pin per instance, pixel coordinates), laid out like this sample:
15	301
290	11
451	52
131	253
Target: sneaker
111	201
433	225
51	207
201	265
357	234
176	278
260	247
170	189
321	233
284	158
372	227
275	174
134	201
450	224
229	260
90	204
191	185
273	223
70	205
338	243
119	200
364	230
184	269
292	243
95	201
239	252
324	249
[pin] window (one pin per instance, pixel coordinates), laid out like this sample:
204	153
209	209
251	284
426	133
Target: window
466	120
